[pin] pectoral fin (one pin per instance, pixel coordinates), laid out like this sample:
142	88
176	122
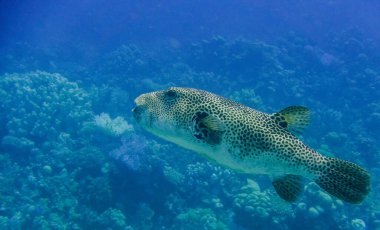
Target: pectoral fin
208	128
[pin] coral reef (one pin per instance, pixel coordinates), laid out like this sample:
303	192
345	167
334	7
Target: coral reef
112	219
199	219
264	206
112	127
63	167
40	106
131	152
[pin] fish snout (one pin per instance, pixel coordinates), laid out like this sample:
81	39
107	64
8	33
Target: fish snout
138	112
144	110
143	99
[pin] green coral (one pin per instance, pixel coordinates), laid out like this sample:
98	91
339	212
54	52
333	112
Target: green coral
17	144
200	219
144	217
112	219
173	175
40	105
251	202
4	222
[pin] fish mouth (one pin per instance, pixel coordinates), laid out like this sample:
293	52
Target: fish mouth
137	110
142	111
137	113
142	116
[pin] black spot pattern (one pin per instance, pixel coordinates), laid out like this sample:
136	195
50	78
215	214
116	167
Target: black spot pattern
252	136
288	187
345	180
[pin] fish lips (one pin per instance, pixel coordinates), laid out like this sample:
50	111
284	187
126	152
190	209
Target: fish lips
142	116
137	113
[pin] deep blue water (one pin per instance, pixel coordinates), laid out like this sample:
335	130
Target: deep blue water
72	156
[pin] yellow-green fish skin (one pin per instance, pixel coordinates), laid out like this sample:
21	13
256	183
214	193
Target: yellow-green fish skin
248	141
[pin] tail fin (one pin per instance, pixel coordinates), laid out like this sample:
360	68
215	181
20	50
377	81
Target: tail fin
345	180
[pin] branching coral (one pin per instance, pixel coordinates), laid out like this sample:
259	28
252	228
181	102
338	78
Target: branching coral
114	127
131	152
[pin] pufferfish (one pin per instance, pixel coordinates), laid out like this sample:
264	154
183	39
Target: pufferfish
249	141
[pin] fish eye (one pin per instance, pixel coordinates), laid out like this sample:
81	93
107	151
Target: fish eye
171	94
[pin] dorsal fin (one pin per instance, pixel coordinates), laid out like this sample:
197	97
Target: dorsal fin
288	187
207	127
293	118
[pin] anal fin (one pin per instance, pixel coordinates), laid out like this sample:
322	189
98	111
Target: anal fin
288	187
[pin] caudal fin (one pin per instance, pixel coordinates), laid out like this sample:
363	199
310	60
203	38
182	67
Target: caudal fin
345	180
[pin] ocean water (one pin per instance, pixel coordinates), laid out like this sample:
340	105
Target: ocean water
73	157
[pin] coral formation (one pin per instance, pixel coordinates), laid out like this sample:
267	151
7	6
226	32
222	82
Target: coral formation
113	127
199	218
40	106
252	203
62	167
131	152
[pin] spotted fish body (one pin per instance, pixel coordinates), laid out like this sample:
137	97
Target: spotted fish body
249	141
